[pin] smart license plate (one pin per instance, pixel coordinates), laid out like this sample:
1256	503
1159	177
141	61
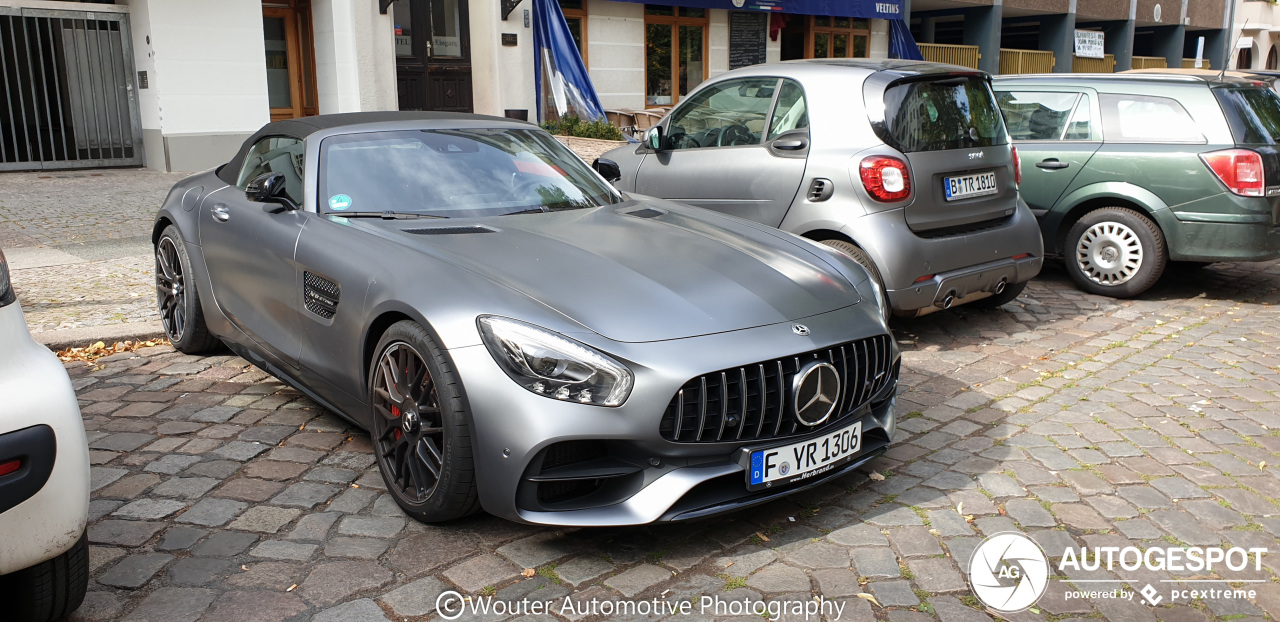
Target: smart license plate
778	466
969	186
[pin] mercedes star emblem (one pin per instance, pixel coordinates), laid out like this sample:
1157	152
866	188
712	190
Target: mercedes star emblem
815	392
800	329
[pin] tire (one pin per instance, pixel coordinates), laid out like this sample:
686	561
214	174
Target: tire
421	433
178	298
1010	293
50	590
852	251
1115	251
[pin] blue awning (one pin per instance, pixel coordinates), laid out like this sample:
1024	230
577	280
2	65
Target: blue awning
879	9
558	64
901	43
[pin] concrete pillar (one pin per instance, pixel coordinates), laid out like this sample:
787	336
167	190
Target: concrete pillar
982	28
1168	42
928	26
1215	47
1119	41
1057	34
355	56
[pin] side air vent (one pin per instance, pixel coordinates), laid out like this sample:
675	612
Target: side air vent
820	190
320	295
647	212
450	230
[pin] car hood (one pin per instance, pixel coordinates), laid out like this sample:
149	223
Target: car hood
640	273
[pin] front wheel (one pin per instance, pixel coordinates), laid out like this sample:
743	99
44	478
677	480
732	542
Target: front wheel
1115	251
50	590
421	436
852	251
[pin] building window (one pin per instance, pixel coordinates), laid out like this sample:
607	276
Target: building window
675	43
575	13
838	37
1244	60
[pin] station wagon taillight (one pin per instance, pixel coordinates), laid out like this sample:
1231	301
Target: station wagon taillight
1240	170
1017	167
885	178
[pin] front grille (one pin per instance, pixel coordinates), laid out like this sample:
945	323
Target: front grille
753	402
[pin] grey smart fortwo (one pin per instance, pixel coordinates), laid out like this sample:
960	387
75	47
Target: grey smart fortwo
519	336
904	166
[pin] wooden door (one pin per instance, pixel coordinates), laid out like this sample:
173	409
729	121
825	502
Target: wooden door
290	59
433	55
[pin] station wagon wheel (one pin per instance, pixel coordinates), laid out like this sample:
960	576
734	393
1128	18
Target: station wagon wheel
420	436
178	298
1115	251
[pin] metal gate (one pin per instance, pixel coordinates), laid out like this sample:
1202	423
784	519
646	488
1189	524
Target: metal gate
68	95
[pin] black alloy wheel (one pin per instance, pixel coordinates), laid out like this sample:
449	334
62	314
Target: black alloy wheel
421	431
177	298
171	289
409	430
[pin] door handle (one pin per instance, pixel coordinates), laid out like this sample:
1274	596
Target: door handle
794	144
1052	164
221	213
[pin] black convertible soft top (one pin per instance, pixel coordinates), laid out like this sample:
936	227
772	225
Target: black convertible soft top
303	127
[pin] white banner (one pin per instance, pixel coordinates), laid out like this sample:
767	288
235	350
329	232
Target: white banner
1089	44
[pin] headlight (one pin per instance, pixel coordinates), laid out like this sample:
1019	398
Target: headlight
553	365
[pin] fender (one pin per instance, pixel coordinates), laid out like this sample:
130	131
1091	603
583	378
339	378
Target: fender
1097	193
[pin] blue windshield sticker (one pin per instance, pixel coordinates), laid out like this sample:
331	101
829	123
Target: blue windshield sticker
339	202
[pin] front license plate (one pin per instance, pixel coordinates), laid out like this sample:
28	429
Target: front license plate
778	466
969	186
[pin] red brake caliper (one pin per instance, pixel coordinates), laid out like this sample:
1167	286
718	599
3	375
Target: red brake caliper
395	412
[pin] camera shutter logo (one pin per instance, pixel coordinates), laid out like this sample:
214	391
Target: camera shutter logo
1008	572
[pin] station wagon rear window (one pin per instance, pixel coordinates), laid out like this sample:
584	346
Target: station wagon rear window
1145	119
1253	114
938	114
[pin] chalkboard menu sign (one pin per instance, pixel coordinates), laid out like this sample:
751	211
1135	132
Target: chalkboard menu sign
747	32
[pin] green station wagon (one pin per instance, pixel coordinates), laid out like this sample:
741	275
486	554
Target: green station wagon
1127	173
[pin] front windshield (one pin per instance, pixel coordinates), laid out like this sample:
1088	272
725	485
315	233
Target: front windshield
455	174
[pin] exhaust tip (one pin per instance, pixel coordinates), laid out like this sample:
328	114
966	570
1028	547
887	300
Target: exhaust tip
1000	286
949	300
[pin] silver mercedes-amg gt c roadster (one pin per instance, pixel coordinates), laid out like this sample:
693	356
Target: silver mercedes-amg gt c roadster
519	336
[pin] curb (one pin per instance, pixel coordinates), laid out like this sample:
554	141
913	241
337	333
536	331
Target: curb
109	333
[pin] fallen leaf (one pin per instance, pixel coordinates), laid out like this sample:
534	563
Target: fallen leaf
762	536
865	596
960	508
1262	465
529	572
875	475
244	567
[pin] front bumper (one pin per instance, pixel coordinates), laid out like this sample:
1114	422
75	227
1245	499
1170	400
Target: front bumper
647	478
47	521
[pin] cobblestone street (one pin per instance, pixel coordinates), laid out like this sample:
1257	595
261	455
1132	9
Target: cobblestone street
220	494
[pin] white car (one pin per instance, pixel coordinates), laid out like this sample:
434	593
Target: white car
44	476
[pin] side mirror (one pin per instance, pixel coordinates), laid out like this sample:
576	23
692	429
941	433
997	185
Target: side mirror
653	138
608	169
269	188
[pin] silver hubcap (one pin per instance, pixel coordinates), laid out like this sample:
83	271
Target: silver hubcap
1109	253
